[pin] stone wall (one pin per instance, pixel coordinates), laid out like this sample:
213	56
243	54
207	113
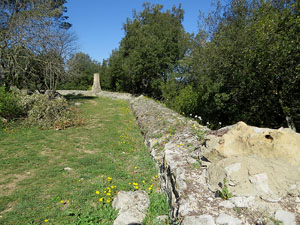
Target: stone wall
196	168
193	165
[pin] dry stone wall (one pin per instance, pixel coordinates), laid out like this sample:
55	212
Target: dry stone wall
196	167
193	165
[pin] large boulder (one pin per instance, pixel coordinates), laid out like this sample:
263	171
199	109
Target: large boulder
243	140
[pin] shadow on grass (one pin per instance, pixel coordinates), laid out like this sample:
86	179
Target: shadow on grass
79	96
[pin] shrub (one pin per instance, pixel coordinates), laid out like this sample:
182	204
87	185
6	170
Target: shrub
186	101
170	90
9	105
48	112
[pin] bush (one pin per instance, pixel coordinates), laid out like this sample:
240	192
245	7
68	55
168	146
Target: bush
186	101
45	112
9	105
170	91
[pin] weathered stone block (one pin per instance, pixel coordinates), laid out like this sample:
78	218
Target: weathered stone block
96	85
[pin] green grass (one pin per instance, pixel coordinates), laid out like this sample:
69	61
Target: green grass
34	186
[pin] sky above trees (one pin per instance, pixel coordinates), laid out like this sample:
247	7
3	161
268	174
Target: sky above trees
98	24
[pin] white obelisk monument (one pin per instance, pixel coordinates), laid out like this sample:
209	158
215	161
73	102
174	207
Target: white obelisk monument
96	85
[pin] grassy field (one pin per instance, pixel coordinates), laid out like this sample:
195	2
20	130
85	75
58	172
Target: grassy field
71	176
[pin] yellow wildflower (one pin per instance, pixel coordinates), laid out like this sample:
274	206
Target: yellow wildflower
135	167
108	194
100	199
98	192
61	201
144	181
109	178
108	200
46	220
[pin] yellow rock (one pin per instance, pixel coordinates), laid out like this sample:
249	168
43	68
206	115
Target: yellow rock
244	140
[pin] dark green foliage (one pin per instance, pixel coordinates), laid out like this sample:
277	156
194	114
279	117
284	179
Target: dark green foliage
105	78
242	65
113	73
80	73
246	66
261	65
170	91
187	100
9	105
153	44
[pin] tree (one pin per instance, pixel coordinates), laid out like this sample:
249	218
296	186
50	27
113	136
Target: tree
31	33
80	72
247	69
153	44
116	72
105	78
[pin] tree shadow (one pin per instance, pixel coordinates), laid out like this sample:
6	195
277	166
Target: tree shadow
78	97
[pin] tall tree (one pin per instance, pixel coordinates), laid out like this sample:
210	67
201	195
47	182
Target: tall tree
80	72
248	67
29	30
153	44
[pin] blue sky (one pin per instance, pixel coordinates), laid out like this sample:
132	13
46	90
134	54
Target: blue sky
98	23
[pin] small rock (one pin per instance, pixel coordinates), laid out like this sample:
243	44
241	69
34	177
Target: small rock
264	221
78	103
232	168
298	208
133	207
3	120
286	217
242	202
68	169
198	220
210	199
297	200
261	182
161	219
191	160
229	220
227	204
